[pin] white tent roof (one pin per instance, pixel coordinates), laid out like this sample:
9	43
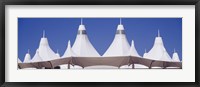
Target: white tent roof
36	57
19	61
82	46
45	52
175	57
133	51
27	57
158	51
120	45
69	52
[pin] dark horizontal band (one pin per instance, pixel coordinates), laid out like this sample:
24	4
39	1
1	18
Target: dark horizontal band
120	32
82	32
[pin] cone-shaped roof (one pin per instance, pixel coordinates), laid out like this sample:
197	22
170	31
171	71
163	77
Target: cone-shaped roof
158	51
36	57
175	56
133	51
82	45
69	52
120	45
45	52
27	57
19	61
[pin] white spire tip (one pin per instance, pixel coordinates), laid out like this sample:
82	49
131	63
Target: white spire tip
81	21
43	33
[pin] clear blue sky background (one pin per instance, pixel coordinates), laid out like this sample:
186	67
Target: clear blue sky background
101	32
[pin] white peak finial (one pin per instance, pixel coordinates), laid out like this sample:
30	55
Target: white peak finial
145	50
132	42
81	21
158	33
57	50
43	33
120	21
69	42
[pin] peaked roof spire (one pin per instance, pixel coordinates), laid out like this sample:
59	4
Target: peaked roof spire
132	43
27	57
145	50
158	51
120	21
69	43
81	21
158	33
57	50
68	52
82	45
43	33
133	51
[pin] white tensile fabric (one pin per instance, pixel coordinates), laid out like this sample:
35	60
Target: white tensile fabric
133	51
45	52
68	52
19	61
82	46
27	58
101	67
36	57
119	46
158	51
175	57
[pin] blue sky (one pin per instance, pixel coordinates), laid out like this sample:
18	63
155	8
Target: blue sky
101	32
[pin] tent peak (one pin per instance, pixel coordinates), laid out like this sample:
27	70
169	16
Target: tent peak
132	43
81	21
69	42
120	21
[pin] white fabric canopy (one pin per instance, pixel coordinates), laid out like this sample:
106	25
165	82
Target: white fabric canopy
82	46
45	52
120	45
158	51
